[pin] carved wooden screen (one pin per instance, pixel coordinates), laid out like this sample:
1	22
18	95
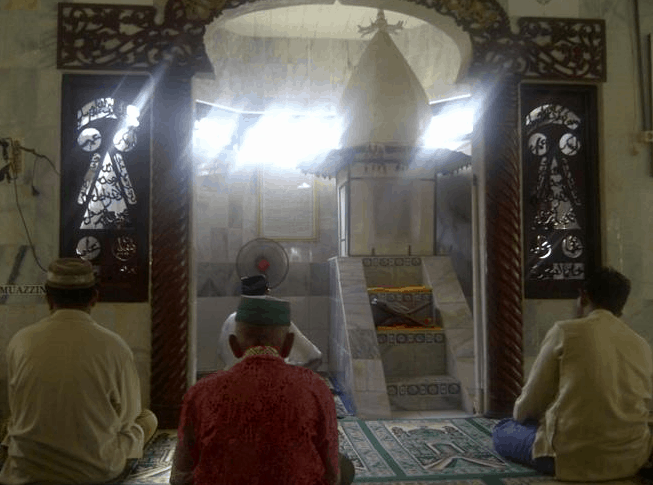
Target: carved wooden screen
560	188
105	180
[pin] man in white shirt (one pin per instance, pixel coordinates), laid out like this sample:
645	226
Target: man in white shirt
303	353
583	413
74	394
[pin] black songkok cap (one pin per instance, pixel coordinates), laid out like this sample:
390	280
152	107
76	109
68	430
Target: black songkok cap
253	285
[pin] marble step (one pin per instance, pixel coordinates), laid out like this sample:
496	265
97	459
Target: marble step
407	352
425	393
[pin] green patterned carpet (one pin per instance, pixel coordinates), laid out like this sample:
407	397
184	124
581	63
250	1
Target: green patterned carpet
392	451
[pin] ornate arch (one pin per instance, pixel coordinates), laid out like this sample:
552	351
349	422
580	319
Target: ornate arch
127	38
94	37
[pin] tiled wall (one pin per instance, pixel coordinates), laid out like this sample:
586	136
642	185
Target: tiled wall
226	218
454	225
393	271
356	359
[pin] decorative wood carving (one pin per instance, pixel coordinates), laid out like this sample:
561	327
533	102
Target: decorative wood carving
171	196
121	37
503	249
558	49
127	38
105	208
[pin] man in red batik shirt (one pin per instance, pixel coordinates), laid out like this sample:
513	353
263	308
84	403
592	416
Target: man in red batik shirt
263	421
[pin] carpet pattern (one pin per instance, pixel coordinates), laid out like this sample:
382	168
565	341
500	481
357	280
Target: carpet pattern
449	451
396	450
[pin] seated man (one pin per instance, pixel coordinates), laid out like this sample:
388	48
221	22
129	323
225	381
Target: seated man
262	421
303	352
73	390
583	413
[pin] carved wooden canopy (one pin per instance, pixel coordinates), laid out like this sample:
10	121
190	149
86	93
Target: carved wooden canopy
121	37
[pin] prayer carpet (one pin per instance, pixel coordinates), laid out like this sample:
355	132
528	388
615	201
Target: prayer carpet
390	452
447	451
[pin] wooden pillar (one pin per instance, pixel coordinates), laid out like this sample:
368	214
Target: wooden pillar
504	293
171	198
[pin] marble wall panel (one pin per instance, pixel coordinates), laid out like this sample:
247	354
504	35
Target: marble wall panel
234	243
363	368
210	314
368	375
412	353
456	316
339	353
299	312
217	279
391	216
461	342
319	308
296	282
440	275
218	246
464	370
236	211
363	343
372	404
319	279
393	271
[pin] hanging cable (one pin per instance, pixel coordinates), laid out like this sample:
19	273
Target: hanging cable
6	143
38	155
22	218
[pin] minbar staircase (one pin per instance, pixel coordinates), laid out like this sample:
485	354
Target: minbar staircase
385	368
413	349
415	368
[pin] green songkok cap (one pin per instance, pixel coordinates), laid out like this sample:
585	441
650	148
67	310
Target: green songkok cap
263	311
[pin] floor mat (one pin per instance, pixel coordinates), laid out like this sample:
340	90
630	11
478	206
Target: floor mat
393	451
446	451
396	450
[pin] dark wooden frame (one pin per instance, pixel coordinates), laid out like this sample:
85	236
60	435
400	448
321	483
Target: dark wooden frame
116	286
585	168
93	37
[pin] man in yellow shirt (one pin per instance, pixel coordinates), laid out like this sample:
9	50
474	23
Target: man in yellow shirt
583	413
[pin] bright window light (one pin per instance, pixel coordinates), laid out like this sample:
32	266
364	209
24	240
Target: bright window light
285	140
447	130
212	135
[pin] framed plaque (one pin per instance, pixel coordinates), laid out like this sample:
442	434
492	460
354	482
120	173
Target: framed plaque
288	205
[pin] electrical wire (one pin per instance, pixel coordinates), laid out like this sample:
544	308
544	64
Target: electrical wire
22	218
6	142
38	155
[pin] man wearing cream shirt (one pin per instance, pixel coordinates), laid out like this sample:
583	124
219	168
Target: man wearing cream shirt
583	413
73	391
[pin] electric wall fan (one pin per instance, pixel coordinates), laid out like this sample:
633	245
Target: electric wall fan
263	256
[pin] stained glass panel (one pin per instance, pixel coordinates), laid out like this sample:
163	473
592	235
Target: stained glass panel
105	180
560	188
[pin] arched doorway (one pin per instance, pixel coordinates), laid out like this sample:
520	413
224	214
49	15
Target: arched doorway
173	51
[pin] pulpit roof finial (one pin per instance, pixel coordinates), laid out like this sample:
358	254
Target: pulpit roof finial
381	24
